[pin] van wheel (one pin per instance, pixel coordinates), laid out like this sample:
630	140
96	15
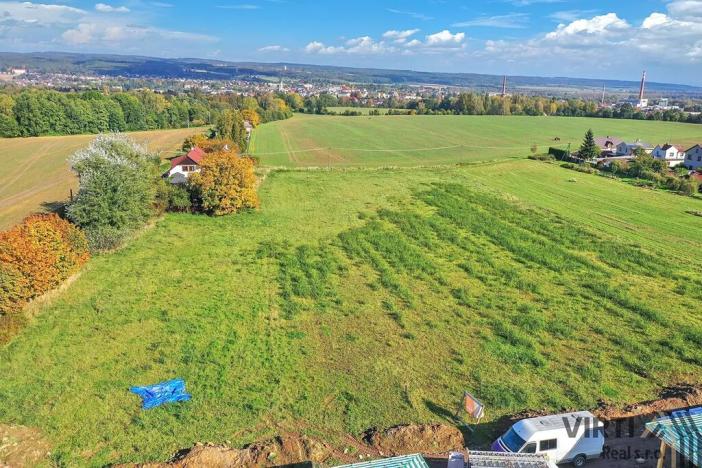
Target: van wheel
580	461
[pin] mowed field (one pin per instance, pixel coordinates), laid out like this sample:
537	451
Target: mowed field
36	170
355	299
310	140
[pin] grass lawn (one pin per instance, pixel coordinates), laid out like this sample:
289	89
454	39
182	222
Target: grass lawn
310	140
36	171
364	298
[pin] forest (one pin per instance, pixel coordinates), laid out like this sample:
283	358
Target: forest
38	112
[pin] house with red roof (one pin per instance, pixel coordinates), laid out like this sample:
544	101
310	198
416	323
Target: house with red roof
183	166
672	154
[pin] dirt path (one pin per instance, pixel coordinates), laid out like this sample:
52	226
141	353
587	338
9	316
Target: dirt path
22	446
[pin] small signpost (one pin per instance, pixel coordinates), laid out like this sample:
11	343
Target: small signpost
473	407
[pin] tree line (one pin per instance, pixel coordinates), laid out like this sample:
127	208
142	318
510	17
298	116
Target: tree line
485	104
38	112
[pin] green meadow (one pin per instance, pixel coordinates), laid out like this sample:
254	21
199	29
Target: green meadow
337	141
362	297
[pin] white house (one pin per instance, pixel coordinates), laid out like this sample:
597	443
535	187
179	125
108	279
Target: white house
183	166
693	157
673	155
627	149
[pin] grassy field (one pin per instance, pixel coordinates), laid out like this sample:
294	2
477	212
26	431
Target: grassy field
364	298
36	171
309	140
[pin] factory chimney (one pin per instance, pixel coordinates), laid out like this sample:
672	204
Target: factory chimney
504	86
643	86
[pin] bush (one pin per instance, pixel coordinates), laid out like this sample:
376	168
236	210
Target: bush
226	184
178	198
117	192
542	157
36	256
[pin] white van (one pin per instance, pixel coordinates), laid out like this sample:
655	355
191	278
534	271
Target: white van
563	438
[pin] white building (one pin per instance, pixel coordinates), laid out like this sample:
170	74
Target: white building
183	166
627	149
693	157
673	155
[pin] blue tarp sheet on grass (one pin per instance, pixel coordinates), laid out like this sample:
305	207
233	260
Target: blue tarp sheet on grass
160	393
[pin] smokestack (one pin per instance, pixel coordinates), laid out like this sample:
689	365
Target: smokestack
504	86
643	86
603	94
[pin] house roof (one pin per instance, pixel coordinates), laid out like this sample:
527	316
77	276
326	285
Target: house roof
193	157
602	141
692	148
667	146
639	144
683	432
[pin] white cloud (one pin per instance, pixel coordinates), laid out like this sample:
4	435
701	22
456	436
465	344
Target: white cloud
39	13
686	9
102	34
399	36
240	6
509	21
411	14
597	25
105	8
274	48
393	42
445	37
600	44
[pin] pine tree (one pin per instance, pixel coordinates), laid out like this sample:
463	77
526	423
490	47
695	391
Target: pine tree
589	149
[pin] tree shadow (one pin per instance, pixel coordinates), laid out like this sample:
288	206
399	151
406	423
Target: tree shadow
57	207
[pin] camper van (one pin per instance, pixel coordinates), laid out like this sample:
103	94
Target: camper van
563	438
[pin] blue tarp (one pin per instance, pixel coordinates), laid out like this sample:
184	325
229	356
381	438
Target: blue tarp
164	392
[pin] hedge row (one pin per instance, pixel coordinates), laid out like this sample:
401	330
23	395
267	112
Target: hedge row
35	257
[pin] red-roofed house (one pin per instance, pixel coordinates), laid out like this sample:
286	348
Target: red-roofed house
672	154
183	166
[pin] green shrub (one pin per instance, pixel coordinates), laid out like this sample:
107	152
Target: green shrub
117	192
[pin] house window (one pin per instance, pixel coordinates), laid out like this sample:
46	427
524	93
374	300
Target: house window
189	168
699	158
546	445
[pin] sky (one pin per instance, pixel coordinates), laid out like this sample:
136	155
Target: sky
590	39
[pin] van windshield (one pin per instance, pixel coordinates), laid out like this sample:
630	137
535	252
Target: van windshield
512	441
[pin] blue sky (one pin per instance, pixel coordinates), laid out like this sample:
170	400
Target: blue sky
598	39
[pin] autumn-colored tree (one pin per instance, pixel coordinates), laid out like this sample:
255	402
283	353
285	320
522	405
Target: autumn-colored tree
216	145
194	140
226	183
230	124
252	116
36	256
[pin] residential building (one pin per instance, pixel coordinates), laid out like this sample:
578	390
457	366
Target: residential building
693	157
608	144
627	149
183	166
673	155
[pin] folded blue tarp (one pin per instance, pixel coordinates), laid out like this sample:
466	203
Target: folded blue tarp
164	392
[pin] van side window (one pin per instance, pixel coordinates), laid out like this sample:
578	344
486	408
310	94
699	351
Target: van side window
529	448
546	445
